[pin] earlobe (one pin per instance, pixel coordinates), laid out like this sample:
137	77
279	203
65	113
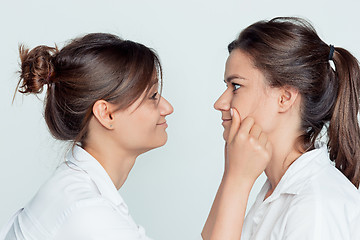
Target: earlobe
287	98
102	112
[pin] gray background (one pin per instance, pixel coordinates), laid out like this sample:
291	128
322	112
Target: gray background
170	189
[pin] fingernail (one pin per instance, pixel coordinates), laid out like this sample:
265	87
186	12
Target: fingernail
231	112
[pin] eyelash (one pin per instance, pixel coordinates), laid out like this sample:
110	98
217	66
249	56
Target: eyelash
153	97
236	86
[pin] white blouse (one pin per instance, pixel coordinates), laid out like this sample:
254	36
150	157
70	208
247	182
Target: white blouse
79	202
313	200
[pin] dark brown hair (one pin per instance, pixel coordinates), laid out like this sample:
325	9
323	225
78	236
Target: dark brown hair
96	66
290	53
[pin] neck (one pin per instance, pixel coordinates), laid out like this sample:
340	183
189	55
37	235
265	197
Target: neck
279	164
116	162
284	154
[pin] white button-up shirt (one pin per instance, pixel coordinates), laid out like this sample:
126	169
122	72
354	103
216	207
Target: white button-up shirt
313	200
79	202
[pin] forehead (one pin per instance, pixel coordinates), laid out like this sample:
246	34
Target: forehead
155	79
240	63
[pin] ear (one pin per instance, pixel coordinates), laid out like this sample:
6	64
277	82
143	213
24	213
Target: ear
287	98
102	112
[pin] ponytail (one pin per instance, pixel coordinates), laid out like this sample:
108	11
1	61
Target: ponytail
343	131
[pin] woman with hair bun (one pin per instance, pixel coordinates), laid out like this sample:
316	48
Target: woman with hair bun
102	95
282	92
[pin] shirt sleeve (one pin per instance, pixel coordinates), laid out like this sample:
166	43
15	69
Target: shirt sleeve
309	220
100	222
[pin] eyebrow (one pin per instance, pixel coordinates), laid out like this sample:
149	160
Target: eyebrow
156	80
232	77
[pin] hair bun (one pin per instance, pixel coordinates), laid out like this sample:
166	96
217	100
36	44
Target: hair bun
36	68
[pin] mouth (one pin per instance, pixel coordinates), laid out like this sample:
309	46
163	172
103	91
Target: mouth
162	123
226	121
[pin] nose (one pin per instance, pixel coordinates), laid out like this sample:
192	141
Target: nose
165	107
223	102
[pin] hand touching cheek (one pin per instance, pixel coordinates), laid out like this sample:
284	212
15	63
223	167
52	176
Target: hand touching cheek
247	150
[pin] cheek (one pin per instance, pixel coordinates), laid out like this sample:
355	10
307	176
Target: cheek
147	113
266	114
144	123
258	105
246	103
138	123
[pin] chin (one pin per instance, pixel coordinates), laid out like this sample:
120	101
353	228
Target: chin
225	135
159	143
163	142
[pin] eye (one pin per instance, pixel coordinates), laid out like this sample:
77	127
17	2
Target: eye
236	86
154	96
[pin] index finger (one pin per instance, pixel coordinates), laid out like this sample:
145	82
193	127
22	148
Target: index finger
235	124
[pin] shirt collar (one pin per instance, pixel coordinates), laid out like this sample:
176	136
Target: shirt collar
96	172
301	171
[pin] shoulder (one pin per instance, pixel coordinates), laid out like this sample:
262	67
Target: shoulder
319	181
67	189
70	206
66	186
331	188
327	205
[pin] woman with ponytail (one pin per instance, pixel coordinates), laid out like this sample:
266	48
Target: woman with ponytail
285	88
102	95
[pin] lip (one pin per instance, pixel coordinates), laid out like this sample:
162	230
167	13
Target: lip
225	121
162	124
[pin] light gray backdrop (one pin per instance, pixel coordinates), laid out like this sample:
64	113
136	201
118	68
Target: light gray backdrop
170	189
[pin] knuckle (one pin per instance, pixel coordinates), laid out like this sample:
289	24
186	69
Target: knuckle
255	144
242	136
252	140
259	148
267	154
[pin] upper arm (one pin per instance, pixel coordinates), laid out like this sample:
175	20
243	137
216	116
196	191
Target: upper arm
303	220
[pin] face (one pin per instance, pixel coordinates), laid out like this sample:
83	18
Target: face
247	92
142	126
